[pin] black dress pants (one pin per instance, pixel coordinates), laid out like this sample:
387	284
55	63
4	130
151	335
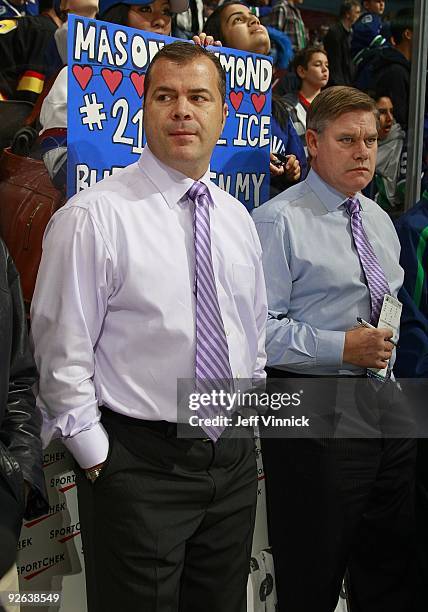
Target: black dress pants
422	523
337	504
168	524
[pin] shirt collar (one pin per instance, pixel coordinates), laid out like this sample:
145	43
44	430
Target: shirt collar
171	184
328	196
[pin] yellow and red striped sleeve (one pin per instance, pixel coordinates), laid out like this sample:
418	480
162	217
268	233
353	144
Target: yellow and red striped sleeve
32	81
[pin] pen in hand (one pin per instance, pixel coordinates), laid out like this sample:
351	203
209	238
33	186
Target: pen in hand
370	326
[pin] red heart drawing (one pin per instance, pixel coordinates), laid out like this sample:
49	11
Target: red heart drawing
82	74
112	78
258	100
236	99
138	82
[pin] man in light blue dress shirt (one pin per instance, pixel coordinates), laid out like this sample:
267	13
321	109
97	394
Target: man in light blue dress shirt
334	503
166	521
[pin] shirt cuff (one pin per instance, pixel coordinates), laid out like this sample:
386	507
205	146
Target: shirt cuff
330	347
89	447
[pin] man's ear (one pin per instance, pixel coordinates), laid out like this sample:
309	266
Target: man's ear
225	113
312	142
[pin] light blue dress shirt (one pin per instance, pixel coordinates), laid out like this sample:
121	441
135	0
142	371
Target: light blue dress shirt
313	274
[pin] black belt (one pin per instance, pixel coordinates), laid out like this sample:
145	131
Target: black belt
164	427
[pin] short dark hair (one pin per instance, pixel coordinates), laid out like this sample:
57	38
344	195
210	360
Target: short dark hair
402	21
212	26
303	57
334	102
183	52
377	94
372	93
346	7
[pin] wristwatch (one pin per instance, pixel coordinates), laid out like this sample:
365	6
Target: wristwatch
93	473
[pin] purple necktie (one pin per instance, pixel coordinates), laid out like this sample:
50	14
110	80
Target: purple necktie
375	277
212	353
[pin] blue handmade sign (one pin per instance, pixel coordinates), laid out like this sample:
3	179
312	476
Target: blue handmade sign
107	64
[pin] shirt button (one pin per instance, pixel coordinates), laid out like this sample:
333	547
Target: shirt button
227	332
238	376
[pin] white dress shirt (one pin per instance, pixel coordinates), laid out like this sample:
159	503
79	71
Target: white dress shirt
113	314
315	283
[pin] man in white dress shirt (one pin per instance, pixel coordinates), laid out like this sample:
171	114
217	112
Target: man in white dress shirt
166	522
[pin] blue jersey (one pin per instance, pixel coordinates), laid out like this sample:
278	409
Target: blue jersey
367	34
285	141
412	350
10	11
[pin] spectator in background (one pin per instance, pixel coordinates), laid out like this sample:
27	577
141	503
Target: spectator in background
369	35
238	28
285	16
22	49
190	22
391	66
337	43
312	69
317	35
368	30
389	181
10	9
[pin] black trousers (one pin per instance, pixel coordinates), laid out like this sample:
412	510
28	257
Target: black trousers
337	504
168	524
11	514
422	523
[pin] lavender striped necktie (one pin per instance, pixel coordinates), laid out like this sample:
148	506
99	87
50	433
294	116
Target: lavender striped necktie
213	370
375	277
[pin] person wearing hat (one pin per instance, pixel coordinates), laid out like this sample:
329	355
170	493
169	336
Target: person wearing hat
148	15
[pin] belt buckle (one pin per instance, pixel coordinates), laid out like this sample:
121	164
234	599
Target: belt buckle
206	439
